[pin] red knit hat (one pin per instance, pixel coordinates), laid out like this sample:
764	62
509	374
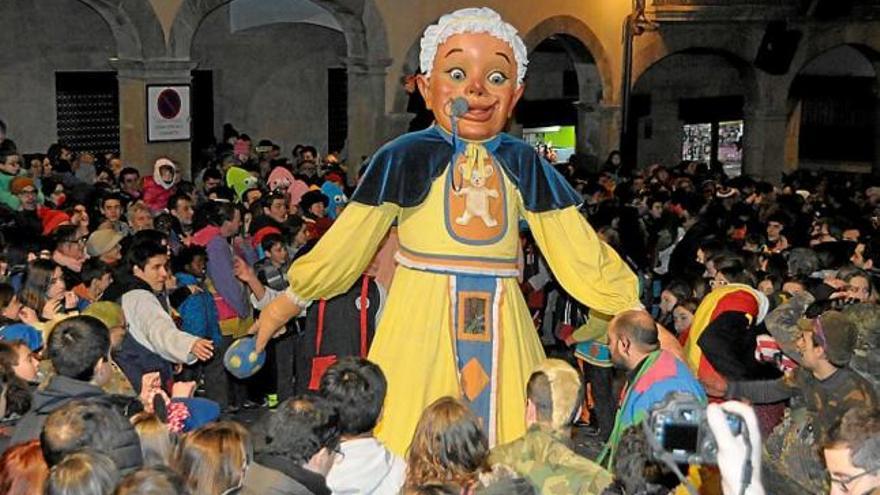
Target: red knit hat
52	219
19	183
262	233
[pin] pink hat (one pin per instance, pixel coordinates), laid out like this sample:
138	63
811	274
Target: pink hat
296	191
280	178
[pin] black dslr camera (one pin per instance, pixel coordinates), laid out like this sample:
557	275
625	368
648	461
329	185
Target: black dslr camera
678	431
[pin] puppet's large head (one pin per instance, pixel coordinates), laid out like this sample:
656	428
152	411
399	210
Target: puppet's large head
472	53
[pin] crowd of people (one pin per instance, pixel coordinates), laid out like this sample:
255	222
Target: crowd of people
121	294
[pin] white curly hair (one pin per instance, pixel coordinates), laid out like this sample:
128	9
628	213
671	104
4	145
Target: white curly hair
472	20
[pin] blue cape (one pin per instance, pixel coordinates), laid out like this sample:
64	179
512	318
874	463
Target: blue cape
402	171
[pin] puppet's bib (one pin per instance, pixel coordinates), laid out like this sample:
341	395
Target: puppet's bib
468	222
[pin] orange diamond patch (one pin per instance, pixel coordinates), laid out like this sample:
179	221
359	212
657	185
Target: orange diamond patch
473	379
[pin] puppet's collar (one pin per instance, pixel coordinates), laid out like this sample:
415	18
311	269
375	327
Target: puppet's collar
490	144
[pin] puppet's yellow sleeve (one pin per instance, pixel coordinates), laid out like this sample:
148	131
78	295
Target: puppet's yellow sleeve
342	254
588	269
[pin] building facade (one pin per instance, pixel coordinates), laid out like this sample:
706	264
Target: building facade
764	86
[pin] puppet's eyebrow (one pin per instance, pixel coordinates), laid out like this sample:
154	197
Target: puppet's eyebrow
503	55
454	50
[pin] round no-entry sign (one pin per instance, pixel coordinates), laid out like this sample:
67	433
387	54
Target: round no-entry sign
169	103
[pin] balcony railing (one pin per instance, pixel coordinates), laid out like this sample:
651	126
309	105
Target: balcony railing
728	10
727	3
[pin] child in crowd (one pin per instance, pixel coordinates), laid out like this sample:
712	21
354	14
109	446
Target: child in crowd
198	316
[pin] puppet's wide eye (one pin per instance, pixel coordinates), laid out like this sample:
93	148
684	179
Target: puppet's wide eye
456	74
497	78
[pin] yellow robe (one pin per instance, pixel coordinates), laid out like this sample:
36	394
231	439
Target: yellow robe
414	343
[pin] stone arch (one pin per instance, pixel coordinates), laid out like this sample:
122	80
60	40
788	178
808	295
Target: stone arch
577	29
814	52
820	41
831	46
363	27
134	25
366	60
665	88
736	48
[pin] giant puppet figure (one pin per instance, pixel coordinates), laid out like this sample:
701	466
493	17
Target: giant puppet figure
455	322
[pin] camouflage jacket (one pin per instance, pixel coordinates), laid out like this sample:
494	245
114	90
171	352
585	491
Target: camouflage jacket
792	450
547	460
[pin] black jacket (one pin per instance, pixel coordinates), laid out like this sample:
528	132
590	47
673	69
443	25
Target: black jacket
61	390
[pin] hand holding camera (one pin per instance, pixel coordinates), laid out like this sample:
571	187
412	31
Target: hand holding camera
682	430
739	455
681	433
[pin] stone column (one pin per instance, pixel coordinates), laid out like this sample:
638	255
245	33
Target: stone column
366	108
875	167
609	129
134	76
764	136
588	116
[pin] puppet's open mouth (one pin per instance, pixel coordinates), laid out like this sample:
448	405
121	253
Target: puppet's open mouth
479	113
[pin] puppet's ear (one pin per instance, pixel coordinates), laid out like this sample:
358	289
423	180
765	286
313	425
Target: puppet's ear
489	171
517	94
424	84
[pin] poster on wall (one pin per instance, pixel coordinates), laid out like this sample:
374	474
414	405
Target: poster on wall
168	113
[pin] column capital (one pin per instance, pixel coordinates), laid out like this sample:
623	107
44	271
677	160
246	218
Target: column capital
154	70
608	107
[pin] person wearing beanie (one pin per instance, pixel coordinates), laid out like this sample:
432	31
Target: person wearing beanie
24	195
24	189
18	184
52	219
822	389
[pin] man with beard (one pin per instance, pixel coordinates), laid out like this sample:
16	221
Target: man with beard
652	373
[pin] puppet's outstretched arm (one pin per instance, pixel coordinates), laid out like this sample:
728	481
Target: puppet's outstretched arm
331	267
281	310
588	268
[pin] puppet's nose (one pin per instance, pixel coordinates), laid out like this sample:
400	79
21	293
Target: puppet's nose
476	87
